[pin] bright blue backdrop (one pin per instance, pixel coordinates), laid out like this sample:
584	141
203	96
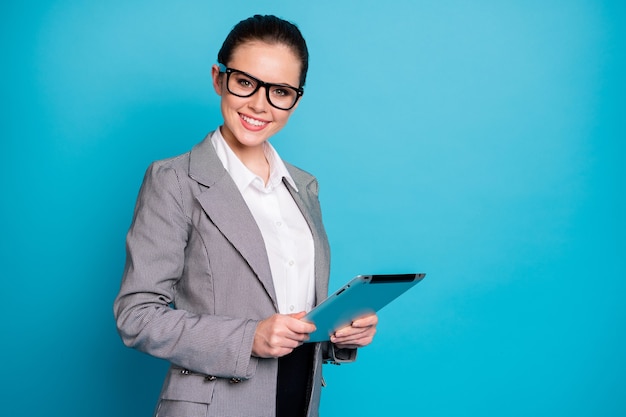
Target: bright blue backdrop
480	142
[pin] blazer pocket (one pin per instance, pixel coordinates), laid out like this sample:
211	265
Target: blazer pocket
184	385
167	408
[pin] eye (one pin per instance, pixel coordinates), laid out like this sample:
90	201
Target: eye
244	82
283	92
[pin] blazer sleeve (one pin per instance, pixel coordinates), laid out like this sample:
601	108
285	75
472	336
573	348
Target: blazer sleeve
155	259
332	354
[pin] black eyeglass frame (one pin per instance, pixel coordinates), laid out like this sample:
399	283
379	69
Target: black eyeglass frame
228	71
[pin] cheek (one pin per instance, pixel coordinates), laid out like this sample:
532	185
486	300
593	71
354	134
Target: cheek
229	103
281	117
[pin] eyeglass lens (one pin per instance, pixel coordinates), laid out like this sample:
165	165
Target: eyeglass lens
242	85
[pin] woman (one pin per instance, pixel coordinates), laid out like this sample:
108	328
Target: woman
227	251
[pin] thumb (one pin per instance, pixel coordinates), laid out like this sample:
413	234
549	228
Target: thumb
298	315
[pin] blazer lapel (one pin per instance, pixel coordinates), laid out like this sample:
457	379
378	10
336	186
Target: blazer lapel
227	209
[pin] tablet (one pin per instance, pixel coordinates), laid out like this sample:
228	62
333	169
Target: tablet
363	295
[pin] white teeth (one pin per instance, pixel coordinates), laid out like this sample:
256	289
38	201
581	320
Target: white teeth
253	122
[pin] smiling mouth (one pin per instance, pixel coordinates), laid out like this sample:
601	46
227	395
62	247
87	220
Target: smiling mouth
253	122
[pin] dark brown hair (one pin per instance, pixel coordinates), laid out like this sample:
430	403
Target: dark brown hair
269	29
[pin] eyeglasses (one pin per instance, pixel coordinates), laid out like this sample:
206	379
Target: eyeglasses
242	84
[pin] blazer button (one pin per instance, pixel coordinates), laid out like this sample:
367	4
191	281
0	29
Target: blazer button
235	380
210	378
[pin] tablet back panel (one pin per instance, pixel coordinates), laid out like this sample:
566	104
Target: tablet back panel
364	294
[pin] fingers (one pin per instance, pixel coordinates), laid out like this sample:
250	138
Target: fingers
279	334
360	338
358	334
301	326
366	321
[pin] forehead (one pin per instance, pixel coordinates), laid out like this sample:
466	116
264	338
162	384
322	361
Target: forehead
274	63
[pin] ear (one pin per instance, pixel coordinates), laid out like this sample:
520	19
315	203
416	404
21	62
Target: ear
215	75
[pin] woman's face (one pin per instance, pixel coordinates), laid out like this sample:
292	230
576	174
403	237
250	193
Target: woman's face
250	121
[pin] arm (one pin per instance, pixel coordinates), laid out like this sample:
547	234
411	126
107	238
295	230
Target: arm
156	245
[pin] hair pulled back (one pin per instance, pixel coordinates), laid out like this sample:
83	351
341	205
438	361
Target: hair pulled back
269	29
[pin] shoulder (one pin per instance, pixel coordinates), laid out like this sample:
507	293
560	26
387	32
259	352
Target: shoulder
170	175
166	172
183	166
175	163
301	177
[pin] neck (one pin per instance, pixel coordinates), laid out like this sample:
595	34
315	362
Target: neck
253	157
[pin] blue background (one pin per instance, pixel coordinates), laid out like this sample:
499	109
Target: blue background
480	142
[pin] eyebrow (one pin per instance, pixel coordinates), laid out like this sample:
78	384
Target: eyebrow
223	68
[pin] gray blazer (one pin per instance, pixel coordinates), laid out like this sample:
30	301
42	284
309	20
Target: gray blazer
197	281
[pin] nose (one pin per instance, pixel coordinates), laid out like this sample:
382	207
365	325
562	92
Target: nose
258	101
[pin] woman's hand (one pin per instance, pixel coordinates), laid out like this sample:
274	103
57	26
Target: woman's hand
280	334
358	334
